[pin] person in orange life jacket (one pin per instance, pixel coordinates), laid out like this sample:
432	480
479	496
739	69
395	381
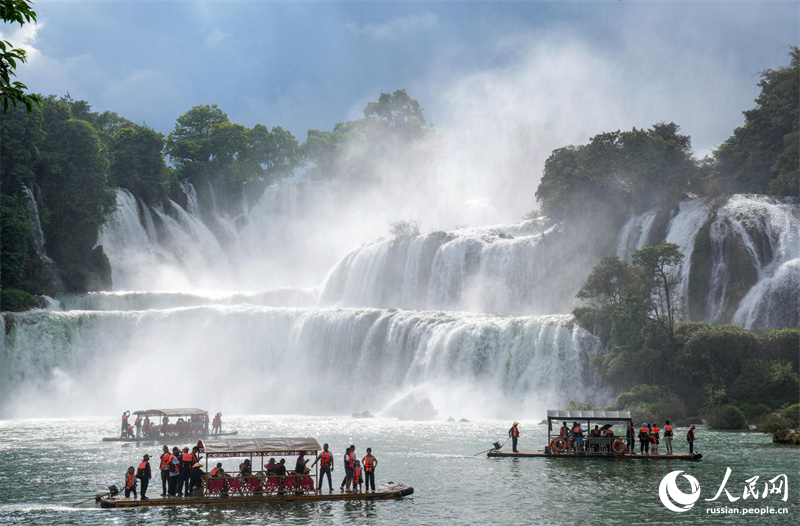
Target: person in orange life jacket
130	483
690	439
138	424
219	472
144	474
630	434
644	439
146	426
609	434
668	437
217	426
271	466
513	434
164	467
186	460
348	468
370	463
174	471
325	460
594	434
357	470
654	438
245	468
124	429
577	436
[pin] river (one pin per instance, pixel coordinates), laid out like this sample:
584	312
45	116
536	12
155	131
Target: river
48	464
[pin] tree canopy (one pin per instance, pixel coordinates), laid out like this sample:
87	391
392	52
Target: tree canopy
13	91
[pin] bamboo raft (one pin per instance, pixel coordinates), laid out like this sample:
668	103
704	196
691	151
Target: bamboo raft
624	456
175	438
382	492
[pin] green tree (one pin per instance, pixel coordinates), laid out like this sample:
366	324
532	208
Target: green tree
761	156
190	145
78	201
400	113
21	135
657	267
137	163
15	232
20	12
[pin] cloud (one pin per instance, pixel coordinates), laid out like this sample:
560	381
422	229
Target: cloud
216	37
23	37
400	27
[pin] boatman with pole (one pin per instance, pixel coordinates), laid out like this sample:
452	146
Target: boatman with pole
513	433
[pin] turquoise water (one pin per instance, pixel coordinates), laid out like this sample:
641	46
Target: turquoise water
46	465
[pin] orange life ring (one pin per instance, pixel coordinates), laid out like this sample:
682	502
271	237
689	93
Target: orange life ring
560	445
618	446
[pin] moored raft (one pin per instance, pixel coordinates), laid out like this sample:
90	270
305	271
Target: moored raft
586	446
258	486
195	426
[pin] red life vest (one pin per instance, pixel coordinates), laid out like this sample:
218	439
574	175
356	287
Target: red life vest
214	472
143	464
643	432
173	466
576	431
654	430
325	459
130	480
369	463
187	457
690	435
165	461
514	431
667	430
357	476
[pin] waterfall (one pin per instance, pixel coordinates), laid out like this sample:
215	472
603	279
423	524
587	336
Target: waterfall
280	360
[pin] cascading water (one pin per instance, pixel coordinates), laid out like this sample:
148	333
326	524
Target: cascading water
279	360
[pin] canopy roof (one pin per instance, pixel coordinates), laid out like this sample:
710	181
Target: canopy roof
558	414
186	411
245	447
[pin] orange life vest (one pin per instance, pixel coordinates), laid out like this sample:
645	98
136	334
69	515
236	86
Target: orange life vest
174	466
143	464
165	461
576	431
654	430
643	432
357	476
349	460
214	472
667	430
325	459
130	480
369	463
514	431
187	457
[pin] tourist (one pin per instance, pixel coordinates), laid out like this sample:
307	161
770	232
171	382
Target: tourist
690	439
594	434
577	437
668	437
217	426
357	476
144	474
164	467
370	463
654	435
280	470
138	424
174	471
245	468
271	466
513	434
348	468
630	434
146	430
218	472
326	466
124	429
300	466
188	460
644	439
130	483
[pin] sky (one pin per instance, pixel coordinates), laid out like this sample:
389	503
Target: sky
486	73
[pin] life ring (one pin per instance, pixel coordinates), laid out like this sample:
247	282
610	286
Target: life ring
618	446
560	445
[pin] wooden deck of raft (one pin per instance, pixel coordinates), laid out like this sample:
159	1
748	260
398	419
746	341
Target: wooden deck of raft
384	491
626	456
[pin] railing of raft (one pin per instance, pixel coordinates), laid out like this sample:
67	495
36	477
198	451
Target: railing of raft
259	483
588	446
